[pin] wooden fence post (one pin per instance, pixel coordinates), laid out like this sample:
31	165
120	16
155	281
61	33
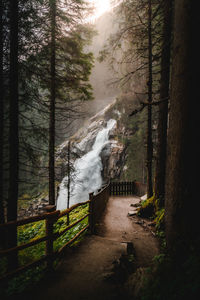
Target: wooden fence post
91	213
133	187
51	218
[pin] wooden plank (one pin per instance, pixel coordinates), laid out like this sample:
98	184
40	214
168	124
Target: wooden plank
133	187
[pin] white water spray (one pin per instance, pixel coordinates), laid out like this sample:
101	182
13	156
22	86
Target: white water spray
87	174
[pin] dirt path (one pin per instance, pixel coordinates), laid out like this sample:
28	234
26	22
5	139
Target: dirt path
117	226
82	274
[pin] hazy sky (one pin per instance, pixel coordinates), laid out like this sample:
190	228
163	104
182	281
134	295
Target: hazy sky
101	7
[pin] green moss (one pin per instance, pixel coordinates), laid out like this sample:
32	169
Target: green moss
159	219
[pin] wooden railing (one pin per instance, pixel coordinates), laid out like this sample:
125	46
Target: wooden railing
50	236
96	206
122	188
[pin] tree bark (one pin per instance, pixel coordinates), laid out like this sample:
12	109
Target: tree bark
52	106
149	122
182	180
68	180
2	220
13	130
163	107
2	216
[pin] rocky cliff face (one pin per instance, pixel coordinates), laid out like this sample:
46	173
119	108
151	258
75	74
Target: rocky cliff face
112	154
113	160
121	157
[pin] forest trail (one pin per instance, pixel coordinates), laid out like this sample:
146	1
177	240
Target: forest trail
84	271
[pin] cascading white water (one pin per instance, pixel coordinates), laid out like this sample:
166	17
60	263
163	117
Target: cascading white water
87	173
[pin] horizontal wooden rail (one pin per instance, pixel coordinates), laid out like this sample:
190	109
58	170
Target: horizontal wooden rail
50	219
28	220
68	210
72	240
122	188
22	269
103	189
57	235
23	246
97	204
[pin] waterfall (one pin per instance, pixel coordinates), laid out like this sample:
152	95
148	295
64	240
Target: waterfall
87	172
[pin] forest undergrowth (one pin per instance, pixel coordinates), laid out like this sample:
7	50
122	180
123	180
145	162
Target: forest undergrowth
169	277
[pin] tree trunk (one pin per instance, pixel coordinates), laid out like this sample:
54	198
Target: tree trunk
1	114
13	130
52	106
68	181
2	217
163	107
182	180
149	122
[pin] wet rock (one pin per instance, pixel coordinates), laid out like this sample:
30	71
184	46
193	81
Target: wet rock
112	157
139	222
136	205
132	212
144	197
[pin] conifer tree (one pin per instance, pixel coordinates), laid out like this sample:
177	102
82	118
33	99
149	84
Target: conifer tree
139	38
149	106
160	171
2	214
13	130
13	115
52	104
181	200
2	220
72	69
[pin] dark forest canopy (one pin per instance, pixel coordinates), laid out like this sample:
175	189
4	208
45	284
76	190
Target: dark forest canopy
32	48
